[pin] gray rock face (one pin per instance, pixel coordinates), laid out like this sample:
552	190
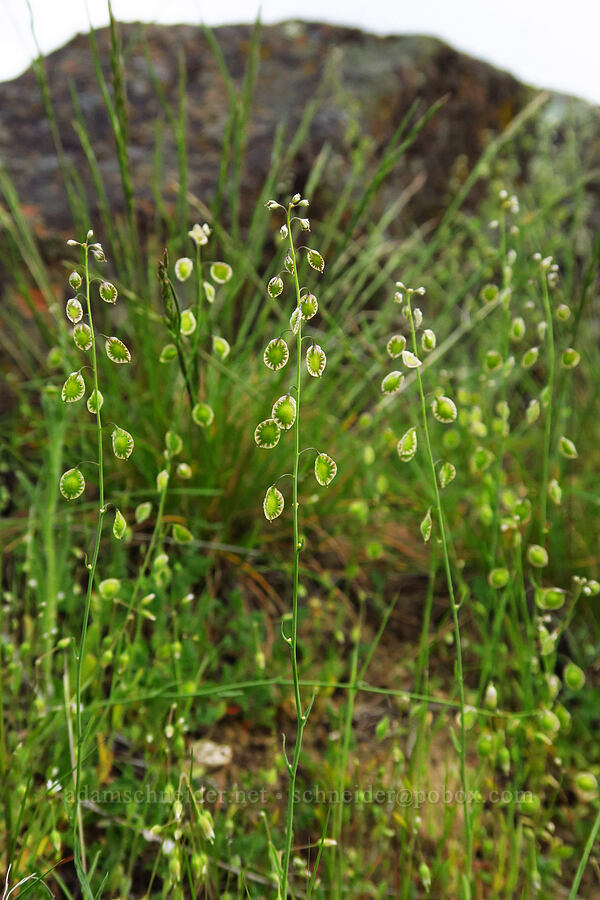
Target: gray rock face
364	86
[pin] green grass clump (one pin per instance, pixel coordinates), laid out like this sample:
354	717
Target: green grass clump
435	579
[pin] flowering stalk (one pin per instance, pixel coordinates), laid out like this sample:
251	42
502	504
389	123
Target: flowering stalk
285	415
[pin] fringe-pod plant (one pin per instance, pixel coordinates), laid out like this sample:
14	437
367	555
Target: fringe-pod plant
72	482
444	410
191	328
285	415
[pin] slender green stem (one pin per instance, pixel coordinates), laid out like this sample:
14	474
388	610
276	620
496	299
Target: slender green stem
586	855
77	822
548	422
453	607
293	640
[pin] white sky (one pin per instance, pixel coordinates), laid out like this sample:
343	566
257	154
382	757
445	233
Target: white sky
547	43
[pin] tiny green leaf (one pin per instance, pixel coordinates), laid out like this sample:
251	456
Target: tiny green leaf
119	525
267	434
74	388
325	469
273	503
221	272
117	351
72	484
276	354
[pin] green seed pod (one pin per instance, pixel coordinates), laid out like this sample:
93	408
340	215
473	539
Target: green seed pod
446	474
425	876
295	319
315	260
586	786
444	409
428	340
109	588
209	291
517	329
168	353
74	388
392	382
122	443
203	415
407	445
574	677
529	804
94	402
183	268
532	412
549	598
504	760
537	556
308	306
108	292
221	347
289	263
267	434
82	336
491	697
181	534
529	358
75	280
160	563
325	469
275	287
470	717
485	745
548	722
119	525
221	272
570	358
498	578
188	323
72	484
200	234
273	503
417	317
481	459
555	491
74	310
563	312
142	512
488	293
493	361
162	480
284	411
396	345
173	443
567	448
426	526
315	361
184	470
117	351
410	360
276	354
